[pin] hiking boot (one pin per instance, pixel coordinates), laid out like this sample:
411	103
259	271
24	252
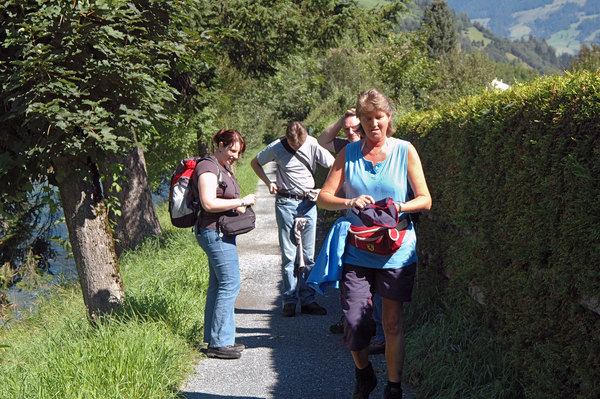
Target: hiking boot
239	347
392	393
289	310
313	308
377	348
364	386
338	328
224	352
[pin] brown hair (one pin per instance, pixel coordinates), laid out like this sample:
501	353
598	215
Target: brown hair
296	134
374	100
228	137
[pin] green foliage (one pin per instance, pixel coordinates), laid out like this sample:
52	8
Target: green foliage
271	32
450	355
405	68
514	73
82	79
268	67
459	75
588	58
345	72
514	178
55	352
439	22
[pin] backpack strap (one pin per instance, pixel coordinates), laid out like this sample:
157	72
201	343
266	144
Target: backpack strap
303	161
219	176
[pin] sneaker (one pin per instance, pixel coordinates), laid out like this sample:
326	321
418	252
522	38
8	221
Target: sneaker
390	393
363	388
338	328
224	352
313	308
239	347
377	348
289	310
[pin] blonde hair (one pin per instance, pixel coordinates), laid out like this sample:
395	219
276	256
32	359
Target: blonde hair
374	100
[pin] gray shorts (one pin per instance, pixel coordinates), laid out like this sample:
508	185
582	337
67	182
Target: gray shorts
357	288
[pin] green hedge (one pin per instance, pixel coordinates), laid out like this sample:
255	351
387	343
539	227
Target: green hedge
515	183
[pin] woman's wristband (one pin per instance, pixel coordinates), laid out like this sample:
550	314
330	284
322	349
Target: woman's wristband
242	202
352	203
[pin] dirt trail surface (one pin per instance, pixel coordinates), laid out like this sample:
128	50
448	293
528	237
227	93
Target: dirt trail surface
285	358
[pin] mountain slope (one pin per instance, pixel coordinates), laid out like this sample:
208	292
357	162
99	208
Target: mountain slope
565	24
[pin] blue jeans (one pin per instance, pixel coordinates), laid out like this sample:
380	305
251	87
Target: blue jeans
223	287
294	283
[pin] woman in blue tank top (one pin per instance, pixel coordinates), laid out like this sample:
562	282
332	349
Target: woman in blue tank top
376	167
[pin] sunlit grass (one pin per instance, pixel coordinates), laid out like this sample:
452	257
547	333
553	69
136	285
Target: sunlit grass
144	350
55	352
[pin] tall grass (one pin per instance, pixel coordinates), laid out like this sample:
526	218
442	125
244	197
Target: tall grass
55	352
144	350
450	354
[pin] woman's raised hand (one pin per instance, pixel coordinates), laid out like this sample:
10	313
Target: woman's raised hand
361	201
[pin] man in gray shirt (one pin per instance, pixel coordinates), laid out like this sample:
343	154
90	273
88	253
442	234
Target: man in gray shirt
296	156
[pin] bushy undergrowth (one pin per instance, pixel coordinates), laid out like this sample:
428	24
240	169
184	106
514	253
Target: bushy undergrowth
515	183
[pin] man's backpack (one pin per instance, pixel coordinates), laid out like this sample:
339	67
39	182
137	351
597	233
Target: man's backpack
184	204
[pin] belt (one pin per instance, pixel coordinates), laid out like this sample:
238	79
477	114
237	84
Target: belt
298	197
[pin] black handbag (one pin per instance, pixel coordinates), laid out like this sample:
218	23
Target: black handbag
241	223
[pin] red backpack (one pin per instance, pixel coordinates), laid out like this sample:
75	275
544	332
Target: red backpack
184	204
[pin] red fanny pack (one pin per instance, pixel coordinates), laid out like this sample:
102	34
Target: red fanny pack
378	240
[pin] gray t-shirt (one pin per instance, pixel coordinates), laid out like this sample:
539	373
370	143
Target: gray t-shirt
292	175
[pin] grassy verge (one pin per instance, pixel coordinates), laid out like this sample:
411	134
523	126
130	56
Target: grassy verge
146	350
450	354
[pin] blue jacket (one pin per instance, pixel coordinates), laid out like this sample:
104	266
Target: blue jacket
327	271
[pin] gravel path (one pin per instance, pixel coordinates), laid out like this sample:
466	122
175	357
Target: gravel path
285	358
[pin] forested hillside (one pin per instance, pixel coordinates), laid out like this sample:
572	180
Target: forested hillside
564	24
530	51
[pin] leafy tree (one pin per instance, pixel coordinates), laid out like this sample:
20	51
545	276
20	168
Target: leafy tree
270	37
406	69
460	75
441	26
588	58
82	81
514	72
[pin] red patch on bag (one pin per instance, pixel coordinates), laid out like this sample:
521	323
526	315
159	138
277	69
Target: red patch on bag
377	240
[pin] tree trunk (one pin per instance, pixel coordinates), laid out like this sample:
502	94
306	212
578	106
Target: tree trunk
89	232
138	218
202	146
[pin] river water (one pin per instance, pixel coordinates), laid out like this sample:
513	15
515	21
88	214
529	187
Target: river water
62	266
